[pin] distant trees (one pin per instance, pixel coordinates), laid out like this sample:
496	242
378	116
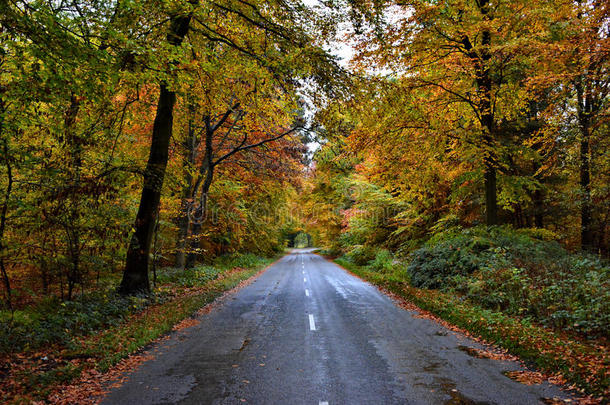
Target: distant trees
581	76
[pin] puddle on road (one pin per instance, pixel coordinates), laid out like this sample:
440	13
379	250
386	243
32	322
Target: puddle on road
457	398
431	367
472	351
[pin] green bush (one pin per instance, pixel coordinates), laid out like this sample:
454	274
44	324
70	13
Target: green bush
196	276
53	321
523	273
246	260
331	251
383	261
361	254
201	274
436	262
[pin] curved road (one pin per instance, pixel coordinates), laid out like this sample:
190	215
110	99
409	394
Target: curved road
307	332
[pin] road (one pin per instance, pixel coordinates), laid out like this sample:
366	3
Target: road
308	332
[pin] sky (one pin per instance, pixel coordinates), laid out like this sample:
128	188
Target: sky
340	49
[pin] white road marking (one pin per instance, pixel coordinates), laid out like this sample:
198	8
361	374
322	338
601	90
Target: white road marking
304	280
323	402
303	271
307	292
312	323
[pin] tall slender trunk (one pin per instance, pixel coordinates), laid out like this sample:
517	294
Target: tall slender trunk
135	276
3	212
7	196
586	233
207	175
183	229
538	209
75	151
183	218
481	60
484	83
197	226
584	105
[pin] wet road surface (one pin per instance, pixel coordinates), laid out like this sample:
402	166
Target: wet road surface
307	332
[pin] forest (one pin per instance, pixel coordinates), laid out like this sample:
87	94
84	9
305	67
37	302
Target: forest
154	154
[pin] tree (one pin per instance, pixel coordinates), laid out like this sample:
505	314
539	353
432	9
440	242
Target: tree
61	78
235	25
586	57
135	276
469	52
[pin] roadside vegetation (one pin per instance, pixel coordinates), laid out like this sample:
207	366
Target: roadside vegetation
51	344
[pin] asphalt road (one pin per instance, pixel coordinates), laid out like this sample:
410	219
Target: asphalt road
307	332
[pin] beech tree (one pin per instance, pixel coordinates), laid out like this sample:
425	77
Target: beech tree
234	25
469	53
135	276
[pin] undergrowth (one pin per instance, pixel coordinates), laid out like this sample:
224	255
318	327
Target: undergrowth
51	344
524	273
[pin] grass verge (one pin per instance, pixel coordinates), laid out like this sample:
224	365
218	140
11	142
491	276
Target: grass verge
33	375
584	365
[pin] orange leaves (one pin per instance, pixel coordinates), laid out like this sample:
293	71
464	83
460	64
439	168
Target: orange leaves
187	323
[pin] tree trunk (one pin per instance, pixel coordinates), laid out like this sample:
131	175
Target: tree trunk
75	151
538	209
3	212
484	83
197	225
491	196
207	169
583	96
481	60
135	276
183	229
7	195
586	233
183	219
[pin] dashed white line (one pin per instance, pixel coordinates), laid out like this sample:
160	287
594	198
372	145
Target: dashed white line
323	402
312	323
307	292
304	280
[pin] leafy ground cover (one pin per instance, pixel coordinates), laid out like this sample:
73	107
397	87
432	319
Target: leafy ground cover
519	291
58	342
